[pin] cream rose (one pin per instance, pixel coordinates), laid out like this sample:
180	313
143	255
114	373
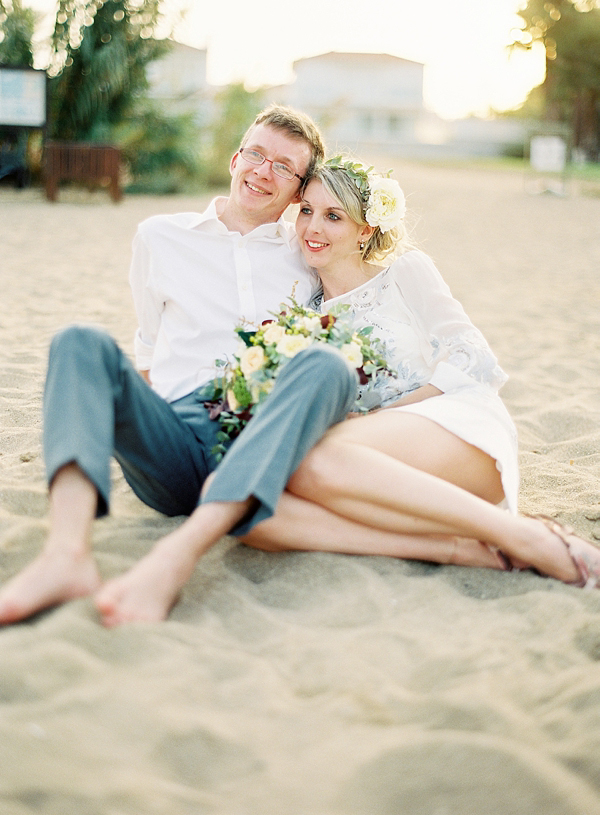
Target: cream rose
273	333
231	400
352	354
291	344
387	205
252	359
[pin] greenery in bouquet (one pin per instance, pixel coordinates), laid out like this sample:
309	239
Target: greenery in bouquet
244	382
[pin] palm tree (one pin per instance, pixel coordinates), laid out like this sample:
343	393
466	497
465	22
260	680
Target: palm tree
100	52
16	32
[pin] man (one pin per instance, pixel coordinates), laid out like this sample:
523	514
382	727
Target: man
193	278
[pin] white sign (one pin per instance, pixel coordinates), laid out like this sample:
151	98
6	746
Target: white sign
22	97
548	154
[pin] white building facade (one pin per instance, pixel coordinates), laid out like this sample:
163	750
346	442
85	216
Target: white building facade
362	102
373	100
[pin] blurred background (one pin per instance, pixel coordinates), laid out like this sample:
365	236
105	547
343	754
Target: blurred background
173	84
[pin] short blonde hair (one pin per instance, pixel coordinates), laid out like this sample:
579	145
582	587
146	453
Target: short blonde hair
342	187
295	124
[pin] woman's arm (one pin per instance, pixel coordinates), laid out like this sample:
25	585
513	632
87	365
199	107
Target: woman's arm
418	395
458	350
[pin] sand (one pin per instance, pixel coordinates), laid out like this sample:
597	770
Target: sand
305	683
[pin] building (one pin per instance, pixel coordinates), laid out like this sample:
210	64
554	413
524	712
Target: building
178	81
366	100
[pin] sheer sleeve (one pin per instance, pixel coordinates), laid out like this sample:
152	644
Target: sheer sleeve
453	346
148	306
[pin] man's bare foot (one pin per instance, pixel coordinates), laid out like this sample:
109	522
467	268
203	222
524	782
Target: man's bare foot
49	580
146	593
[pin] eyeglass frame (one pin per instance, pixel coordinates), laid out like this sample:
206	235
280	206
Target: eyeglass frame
271	161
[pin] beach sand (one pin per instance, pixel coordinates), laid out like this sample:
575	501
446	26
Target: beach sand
308	683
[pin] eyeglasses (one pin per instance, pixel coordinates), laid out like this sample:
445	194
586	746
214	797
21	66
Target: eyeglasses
282	170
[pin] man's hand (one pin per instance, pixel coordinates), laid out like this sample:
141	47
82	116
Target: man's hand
145	376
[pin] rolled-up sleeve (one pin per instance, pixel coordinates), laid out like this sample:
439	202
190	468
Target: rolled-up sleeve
148	304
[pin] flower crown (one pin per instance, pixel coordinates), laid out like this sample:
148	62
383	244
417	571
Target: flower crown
383	201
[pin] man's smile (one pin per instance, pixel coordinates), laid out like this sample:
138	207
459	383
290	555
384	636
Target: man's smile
257	189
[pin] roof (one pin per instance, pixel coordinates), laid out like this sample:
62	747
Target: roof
182	47
350	57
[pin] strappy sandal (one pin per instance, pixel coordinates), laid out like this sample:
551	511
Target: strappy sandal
589	572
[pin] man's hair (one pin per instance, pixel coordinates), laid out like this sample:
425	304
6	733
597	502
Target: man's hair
296	125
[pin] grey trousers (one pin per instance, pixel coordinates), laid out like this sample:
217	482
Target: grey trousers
314	391
96	405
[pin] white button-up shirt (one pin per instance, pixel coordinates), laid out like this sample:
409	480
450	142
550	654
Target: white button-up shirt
193	281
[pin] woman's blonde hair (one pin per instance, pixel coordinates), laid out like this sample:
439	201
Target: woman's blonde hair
353	198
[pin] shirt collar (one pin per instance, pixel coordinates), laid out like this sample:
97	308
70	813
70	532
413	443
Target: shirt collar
277	230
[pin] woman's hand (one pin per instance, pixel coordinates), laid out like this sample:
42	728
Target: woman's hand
418	395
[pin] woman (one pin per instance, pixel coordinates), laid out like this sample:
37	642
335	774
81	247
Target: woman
434	465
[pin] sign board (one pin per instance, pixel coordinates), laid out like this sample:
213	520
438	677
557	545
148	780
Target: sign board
548	154
22	97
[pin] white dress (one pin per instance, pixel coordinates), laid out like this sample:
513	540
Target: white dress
428	339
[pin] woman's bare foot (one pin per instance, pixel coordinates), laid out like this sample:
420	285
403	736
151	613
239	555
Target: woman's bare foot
585	557
478	555
554	551
49	580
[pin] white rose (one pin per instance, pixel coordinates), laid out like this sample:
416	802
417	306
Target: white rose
252	359
387	205
273	333
291	344
352	354
309	323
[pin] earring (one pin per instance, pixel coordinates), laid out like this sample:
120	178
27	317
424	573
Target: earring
361	246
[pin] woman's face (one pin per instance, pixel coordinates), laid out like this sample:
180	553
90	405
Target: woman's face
329	238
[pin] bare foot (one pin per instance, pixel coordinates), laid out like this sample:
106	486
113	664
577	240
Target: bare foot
146	593
47	581
584	556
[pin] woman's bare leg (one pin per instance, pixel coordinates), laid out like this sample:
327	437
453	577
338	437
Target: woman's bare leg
371	487
425	445
65	569
304	526
147	592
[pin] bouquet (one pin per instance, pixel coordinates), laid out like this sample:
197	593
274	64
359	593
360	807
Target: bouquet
245	381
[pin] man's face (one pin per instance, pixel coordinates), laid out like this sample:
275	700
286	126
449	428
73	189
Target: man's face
257	193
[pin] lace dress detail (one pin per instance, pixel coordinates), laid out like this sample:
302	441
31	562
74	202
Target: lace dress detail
426	335
428	338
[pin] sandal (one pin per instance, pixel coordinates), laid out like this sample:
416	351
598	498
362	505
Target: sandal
589	572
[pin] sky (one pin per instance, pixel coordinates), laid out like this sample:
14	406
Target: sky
462	43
